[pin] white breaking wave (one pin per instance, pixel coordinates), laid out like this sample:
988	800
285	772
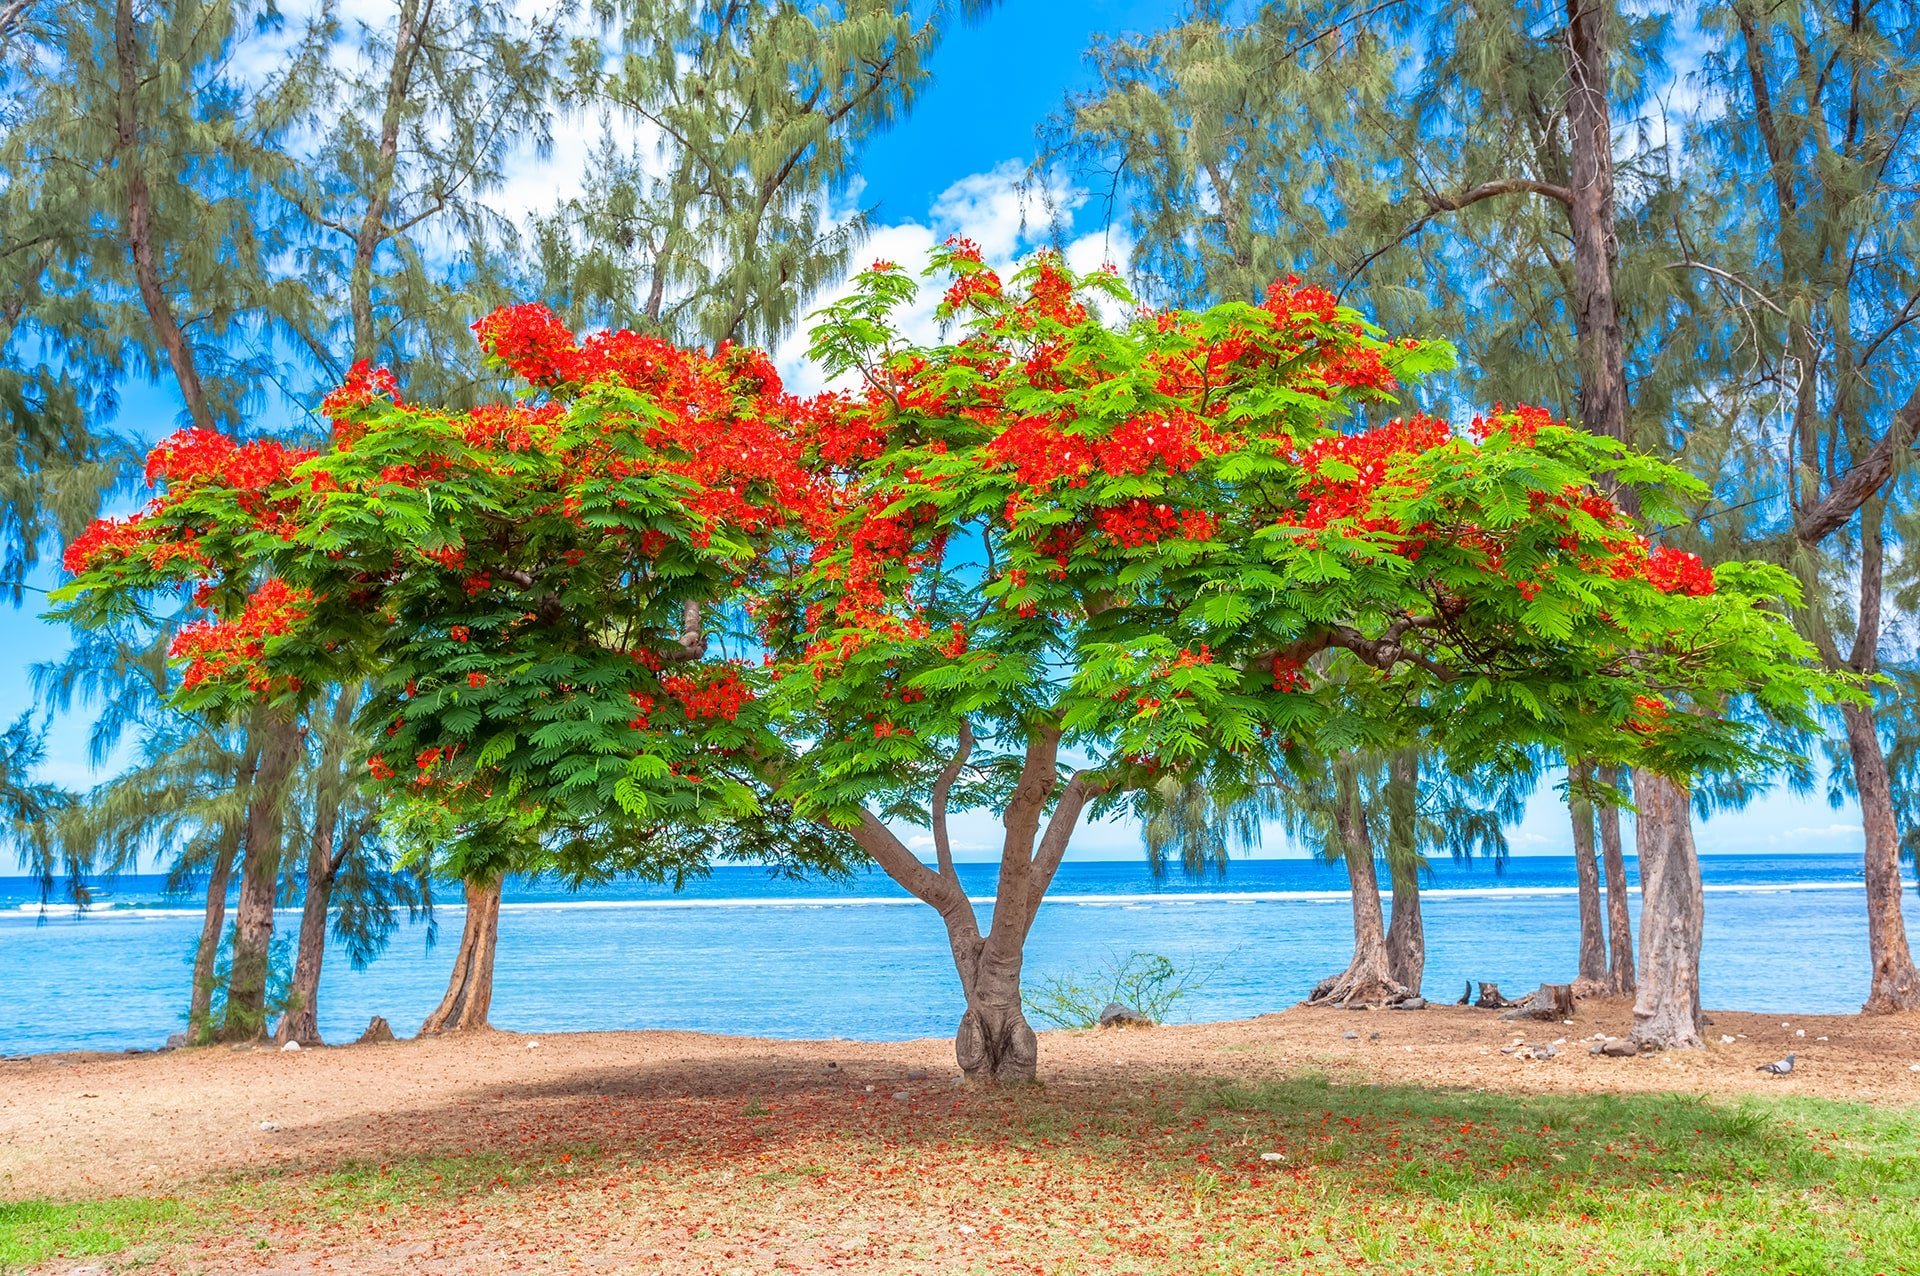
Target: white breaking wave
1192	899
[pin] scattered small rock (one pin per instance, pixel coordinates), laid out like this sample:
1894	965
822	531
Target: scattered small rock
1271	1157
1799	1032
290	1048
1408	1003
832	1066
964	1230
1351	1035
1725	1040
1120	1015
899	1094
1373	1036
1913	1067
533	1045
378	1030
916	1074
1618	1048
1819	1038
177	1040
869	1089
269	1126
1545	1052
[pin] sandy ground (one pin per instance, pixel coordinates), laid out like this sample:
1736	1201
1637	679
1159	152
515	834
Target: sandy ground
78	1125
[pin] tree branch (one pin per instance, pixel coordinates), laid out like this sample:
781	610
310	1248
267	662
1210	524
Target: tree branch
942	789
1857	485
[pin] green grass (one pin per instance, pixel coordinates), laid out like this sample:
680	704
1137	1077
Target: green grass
1162	1180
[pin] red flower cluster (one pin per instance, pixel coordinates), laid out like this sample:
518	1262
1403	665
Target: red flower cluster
1675	571
1142	522
720	697
220	649
1375	455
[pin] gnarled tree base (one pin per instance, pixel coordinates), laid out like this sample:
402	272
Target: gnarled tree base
1364	983
996	1048
470	987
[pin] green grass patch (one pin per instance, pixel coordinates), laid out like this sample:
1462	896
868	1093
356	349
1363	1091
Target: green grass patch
36	1231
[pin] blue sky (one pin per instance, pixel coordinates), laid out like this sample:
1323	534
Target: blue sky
955	165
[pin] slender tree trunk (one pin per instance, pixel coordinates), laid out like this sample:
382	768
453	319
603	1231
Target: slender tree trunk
1406	932
1896	983
1620	980
1368	979
1667	1014
1603	379
206	956
1592	979
1406	929
470	986
301	1020
246	1012
373	224
139	215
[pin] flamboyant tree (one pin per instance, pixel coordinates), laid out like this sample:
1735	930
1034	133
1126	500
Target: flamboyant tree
1039	568
1078	557
521	585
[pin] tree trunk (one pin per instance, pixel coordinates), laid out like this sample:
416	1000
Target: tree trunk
470	986
1406	933
1620	980
1667	1013
1592	979
1368	979
246	1012
301	1020
1406	930
139	215
206	956
994	1042
1896	983
1596	320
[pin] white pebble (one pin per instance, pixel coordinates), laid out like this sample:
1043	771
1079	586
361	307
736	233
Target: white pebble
533	1045
1725	1040
1800	1032
1273	1156
268	1126
1913	1067
289	1047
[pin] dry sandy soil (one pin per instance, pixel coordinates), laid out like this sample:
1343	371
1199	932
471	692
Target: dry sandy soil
79	1125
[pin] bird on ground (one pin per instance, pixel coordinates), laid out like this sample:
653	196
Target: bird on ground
1779	1068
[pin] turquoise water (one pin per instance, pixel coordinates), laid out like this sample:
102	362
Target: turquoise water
741	953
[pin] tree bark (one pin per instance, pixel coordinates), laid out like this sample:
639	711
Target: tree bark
246	1011
1368	979
1667	1014
1406	932
206	956
1620	980
139	215
470	986
1601	349
373	230
1896	983
1593	975
301	1020
1406	929
994	1042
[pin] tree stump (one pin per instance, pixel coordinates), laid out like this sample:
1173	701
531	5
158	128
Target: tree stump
1549	1002
377	1031
1490	998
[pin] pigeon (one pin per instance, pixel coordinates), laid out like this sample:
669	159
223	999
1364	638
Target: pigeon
1778	1068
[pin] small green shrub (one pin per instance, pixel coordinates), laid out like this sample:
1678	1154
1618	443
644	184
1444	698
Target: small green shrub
1148	982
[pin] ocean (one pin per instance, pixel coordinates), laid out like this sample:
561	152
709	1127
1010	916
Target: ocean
738	952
